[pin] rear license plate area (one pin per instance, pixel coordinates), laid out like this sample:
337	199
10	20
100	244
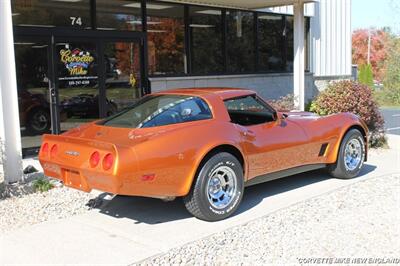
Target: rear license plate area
72	178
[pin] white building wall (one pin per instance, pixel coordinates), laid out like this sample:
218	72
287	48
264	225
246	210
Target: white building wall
308	9
331	38
330	32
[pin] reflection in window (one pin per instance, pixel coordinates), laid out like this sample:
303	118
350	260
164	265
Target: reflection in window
248	103
206	40
289	43
122	63
161	110
270	36
50	13
165	35
33	97
240	41
119	15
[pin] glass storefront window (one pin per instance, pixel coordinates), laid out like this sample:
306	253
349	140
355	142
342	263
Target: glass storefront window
270	36
122	63
165	34
77	76
240	41
31	60
50	13
206	40
289	43
119	15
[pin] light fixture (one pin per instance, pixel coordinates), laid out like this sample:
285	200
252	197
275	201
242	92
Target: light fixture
68	1
139	22
24	43
34	25
156	31
209	12
148	6
39	46
270	17
201	26
106	28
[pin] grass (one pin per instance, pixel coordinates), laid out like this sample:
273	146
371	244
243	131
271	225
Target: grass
42	185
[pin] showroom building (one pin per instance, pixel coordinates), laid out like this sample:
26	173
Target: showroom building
81	60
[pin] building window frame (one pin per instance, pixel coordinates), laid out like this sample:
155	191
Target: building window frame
256	43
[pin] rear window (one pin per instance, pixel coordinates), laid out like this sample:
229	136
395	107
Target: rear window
160	110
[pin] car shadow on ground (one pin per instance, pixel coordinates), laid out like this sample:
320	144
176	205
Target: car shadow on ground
155	211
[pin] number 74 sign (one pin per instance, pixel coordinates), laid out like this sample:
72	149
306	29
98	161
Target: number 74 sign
76	21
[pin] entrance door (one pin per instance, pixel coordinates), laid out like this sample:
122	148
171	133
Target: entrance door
32	58
64	82
95	78
77	81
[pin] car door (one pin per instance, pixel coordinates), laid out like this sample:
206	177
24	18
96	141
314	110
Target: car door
271	144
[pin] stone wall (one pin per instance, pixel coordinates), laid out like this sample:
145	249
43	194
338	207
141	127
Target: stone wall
268	86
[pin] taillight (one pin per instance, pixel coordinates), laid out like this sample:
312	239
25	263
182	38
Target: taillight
53	150
45	148
94	159
108	161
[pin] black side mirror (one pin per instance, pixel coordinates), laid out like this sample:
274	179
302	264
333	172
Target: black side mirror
275	115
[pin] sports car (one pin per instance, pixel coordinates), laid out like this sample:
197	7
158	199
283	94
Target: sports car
204	145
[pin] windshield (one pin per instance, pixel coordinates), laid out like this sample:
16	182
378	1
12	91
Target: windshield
160	110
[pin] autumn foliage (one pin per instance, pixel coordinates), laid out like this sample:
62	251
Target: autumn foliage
379	50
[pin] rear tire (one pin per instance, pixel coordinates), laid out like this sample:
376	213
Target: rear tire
38	122
351	156
218	188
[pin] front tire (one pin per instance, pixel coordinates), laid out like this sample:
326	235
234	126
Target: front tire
218	188
351	156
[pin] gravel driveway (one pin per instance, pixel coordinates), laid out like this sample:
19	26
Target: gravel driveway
29	209
360	220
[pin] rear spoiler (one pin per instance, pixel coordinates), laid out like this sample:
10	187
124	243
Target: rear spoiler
98	144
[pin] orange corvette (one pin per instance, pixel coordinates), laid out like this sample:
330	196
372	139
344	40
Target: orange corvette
204	145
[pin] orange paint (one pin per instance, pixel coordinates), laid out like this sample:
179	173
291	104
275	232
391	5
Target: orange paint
162	161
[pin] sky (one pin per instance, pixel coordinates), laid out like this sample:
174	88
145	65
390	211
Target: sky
376	13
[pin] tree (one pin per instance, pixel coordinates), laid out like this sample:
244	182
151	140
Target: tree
378	50
391	91
365	75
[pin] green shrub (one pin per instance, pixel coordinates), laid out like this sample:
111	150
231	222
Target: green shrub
353	97
42	185
365	75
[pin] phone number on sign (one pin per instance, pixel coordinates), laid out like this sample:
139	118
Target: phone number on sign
78	82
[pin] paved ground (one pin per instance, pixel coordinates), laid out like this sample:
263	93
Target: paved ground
307	230
129	230
392	120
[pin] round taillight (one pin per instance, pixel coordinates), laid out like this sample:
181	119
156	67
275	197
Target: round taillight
45	148
53	151
108	161
94	159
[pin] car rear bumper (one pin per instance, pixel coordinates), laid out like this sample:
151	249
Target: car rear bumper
82	179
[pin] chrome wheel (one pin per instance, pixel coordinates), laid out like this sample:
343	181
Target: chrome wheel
353	154
221	187
39	121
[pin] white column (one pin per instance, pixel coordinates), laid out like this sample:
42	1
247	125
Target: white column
9	117
299	62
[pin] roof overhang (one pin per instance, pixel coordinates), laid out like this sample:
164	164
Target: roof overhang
241	4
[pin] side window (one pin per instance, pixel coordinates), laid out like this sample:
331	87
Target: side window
185	110
248	103
160	110
248	111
